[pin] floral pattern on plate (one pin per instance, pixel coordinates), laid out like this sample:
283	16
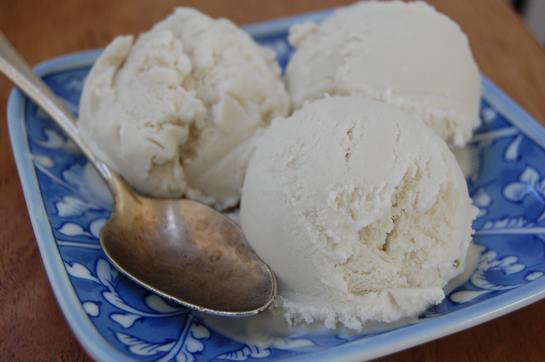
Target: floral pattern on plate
506	181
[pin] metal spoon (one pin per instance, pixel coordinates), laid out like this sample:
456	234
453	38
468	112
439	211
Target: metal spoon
180	249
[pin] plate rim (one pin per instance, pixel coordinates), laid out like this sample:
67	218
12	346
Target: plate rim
98	346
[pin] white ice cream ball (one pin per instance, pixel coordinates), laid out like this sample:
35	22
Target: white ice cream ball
359	208
405	54
175	112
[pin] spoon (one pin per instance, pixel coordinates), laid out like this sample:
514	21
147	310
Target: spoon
180	249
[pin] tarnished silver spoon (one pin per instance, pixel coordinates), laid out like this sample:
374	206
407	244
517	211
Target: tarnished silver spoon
180	249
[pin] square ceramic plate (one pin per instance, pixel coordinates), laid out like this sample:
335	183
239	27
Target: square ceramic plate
116	320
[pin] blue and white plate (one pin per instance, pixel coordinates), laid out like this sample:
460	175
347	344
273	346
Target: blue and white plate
114	319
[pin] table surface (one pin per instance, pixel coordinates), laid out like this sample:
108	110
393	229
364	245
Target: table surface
32	327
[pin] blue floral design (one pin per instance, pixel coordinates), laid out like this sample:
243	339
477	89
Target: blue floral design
508	188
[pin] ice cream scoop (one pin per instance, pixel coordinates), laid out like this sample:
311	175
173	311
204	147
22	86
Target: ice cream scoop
405	54
174	111
180	249
359	208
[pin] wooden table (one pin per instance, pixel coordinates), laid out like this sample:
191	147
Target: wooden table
32	327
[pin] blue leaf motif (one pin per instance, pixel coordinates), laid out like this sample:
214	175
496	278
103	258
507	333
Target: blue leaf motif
200	332
516	191
464	296
482	200
533	275
72	229
42	160
183	356
510	265
512	151
52	140
96	226
70	206
242	354
192	343
196	333
114	299
153	301
107	276
489	261
143	348
193	346
125	320
91	308
488	115
78	270
106	273
530	176
528	182
188	343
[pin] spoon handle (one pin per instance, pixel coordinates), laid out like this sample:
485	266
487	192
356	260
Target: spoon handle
16	69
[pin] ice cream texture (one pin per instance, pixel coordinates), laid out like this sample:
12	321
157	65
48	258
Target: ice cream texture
404	54
175	111
360	209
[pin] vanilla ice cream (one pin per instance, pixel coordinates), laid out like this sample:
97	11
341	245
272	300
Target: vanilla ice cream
405	54
359	208
175	111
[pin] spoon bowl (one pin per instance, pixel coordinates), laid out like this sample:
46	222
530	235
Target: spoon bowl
187	253
180	249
